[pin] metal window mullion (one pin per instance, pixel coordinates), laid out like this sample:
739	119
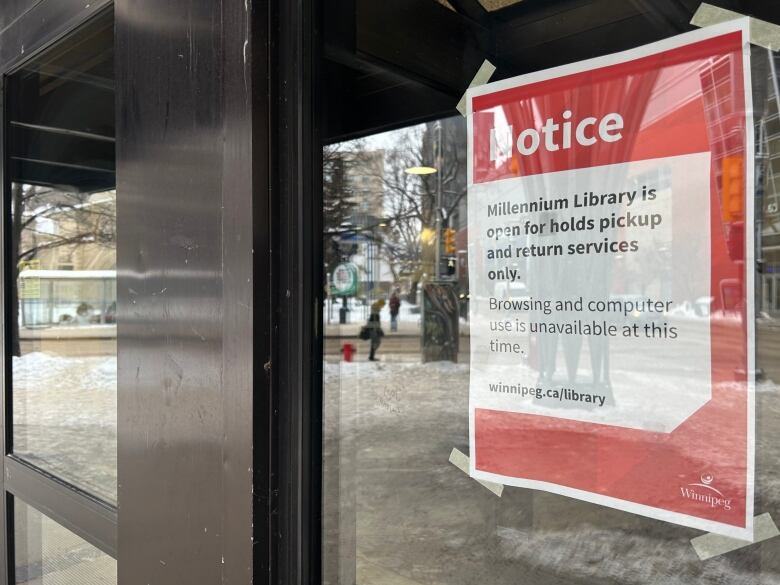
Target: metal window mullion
7	572
89	518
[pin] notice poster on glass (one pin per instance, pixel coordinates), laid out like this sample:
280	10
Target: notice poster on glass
610	223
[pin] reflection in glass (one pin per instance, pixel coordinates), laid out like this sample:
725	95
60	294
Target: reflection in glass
395	510
62	238
390	426
46	553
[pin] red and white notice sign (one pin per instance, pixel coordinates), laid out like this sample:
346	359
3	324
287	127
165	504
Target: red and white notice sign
610	222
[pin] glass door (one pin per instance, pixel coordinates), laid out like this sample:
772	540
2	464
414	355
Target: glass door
60	304
403	312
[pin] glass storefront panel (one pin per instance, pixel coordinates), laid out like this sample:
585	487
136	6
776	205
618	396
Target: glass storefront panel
62	238
399	505
47	553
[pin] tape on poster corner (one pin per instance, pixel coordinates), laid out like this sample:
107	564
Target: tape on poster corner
461	461
711	545
484	73
762	33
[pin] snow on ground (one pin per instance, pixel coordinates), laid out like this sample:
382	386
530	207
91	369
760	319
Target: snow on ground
389	429
65	417
415	518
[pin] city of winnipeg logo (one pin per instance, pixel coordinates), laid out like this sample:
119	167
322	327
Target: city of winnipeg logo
706	493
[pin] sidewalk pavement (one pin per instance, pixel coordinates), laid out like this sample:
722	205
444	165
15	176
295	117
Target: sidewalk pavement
406	327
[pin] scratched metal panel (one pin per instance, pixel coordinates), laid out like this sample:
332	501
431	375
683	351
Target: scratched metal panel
185	291
13	9
32	24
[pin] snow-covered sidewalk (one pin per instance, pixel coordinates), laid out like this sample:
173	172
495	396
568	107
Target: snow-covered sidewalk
389	429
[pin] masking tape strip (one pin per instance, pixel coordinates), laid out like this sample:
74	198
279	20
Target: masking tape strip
762	33
461	461
484	73
711	545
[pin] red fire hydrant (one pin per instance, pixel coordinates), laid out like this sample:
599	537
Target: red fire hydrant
348	350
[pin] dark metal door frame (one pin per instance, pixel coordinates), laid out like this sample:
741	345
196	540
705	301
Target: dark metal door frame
296	366
192	287
219	164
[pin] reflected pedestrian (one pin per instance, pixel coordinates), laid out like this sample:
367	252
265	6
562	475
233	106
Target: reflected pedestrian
374	328
395	307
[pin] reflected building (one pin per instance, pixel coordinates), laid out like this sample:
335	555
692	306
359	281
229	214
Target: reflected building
66	257
768	216
364	181
355	215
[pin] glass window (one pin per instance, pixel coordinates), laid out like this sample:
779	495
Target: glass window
62	239
46	553
397	505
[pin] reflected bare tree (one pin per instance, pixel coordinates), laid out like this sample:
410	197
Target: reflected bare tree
45	219
403	226
411	201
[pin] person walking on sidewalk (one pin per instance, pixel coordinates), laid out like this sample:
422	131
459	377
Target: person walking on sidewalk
395	307
374	328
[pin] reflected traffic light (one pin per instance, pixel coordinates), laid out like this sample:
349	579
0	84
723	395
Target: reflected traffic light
449	241
733	189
